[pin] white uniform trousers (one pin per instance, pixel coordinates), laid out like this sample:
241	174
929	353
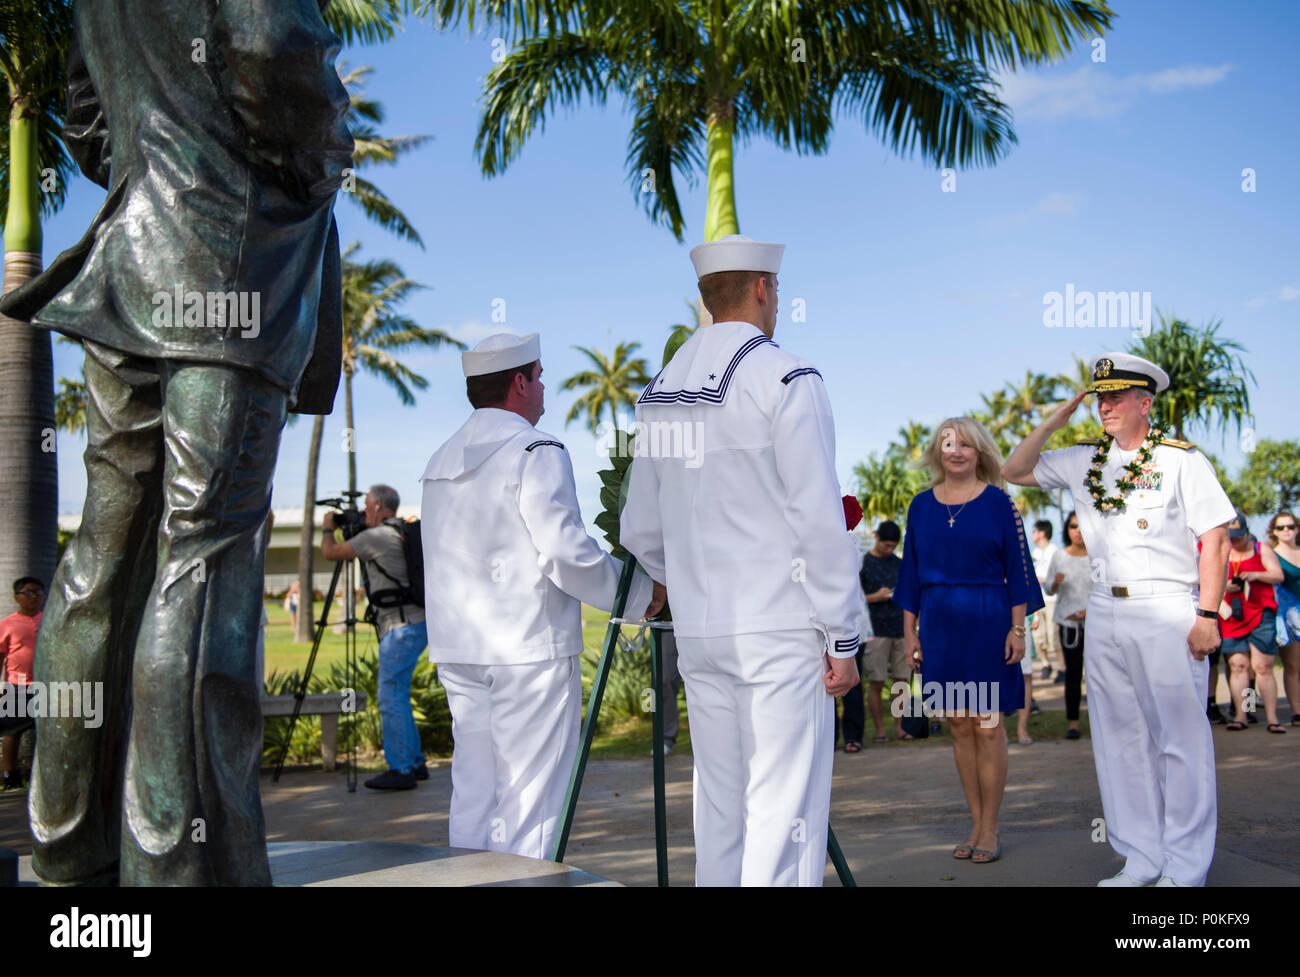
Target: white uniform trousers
1153	748
762	731
516	734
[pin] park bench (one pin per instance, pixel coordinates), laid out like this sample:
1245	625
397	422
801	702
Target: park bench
328	705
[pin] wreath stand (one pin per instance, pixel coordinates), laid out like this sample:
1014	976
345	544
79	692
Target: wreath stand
612	633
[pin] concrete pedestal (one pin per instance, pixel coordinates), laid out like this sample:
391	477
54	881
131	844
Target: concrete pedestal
383	863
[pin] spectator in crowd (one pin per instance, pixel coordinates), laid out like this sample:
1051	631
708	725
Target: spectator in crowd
1285	540
1248	622
885	655
1043	623
17	649
967	581
398	614
1070	581
291	605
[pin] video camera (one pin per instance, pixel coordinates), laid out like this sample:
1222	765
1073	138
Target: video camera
347	516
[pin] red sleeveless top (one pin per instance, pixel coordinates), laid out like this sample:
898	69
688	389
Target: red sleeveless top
1252	602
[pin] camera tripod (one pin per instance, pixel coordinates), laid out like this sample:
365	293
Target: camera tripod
346	570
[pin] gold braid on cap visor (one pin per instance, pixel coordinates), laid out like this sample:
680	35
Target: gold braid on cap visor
1119	383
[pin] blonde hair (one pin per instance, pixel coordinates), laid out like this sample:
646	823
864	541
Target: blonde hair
987	467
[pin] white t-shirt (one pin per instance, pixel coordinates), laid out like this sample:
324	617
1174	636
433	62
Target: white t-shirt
1175	500
1072	595
1042	557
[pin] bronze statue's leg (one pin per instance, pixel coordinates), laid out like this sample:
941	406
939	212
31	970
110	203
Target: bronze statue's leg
90	622
192	811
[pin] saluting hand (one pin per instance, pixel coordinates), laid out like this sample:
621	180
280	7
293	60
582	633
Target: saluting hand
1061	416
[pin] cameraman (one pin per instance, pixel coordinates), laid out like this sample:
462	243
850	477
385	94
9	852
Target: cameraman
400	623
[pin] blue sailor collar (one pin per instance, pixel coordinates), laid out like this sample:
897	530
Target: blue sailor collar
702	370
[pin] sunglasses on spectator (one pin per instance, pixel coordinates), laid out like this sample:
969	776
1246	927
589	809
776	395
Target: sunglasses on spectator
31	593
1280	527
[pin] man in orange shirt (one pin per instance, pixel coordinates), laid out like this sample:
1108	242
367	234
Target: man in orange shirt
17	646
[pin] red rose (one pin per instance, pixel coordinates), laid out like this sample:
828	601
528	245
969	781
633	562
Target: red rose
852	511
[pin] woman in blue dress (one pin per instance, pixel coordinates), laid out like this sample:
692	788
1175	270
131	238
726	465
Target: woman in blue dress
966	585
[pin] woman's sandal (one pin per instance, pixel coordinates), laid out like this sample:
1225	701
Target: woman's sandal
882	738
907	736
1276	728
852	747
988	856
1295	720
964	850
1235	726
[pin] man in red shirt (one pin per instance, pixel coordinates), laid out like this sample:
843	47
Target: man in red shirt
17	647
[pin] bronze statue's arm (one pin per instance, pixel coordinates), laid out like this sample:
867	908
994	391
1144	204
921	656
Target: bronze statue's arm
84	129
280	78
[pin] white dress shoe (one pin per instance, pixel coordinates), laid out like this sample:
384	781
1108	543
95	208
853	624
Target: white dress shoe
1165	882
1122	880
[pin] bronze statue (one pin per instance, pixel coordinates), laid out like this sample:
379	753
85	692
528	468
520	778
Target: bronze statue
206	294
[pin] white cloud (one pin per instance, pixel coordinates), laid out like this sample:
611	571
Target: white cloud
1095	91
1287	293
1053	205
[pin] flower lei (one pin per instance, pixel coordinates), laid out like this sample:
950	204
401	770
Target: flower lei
1092	480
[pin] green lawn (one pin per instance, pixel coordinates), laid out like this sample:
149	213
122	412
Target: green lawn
284	655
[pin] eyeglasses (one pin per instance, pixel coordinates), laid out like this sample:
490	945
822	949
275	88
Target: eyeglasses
1280	528
30	593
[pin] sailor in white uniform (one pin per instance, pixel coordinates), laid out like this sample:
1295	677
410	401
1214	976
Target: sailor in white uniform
508	565
1143	501
734	503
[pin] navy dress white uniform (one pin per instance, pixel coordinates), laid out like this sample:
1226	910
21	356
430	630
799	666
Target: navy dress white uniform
508	565
1146	693
748	534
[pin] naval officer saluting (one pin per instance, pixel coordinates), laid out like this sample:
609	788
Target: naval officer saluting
508	565
748	533
1143	501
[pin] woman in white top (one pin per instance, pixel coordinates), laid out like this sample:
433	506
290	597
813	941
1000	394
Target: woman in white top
1070	579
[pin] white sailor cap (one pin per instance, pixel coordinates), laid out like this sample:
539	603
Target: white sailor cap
735	252
1120	371
500	352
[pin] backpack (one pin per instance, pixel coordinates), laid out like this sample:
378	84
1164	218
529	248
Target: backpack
413	554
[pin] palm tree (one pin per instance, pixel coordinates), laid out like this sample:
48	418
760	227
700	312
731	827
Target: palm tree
886	486
913	439
34	173
613	381
679	332
371	149
1207	376
367	21
698	74
373	331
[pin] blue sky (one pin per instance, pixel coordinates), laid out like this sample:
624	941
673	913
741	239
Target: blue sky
1128	176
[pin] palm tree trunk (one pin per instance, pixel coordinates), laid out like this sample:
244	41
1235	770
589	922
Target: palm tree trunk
720	217
351	438
29	491
306	550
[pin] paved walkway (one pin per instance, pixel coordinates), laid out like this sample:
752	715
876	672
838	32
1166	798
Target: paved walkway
897	811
